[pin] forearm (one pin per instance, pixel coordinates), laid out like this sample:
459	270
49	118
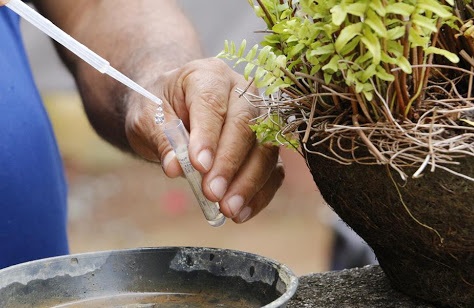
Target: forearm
142	39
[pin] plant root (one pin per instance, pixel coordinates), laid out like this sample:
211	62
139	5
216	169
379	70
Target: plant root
442	133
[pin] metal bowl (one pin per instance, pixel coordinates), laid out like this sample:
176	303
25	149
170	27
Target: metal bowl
149	277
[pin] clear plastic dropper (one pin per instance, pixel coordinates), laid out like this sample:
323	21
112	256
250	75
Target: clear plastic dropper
76	47
174	132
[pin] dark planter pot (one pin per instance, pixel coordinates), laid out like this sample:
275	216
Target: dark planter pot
425	244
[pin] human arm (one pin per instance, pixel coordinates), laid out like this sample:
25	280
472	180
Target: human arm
150	41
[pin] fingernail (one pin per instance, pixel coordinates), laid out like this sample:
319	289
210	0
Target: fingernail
218	187
166	161
245	214
205	159
235	203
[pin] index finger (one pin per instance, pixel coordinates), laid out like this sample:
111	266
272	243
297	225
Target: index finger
207	96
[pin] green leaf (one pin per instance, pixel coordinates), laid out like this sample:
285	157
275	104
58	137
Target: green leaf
347	34
268	131
387	59
280	28
285	14
403	63
322	50
396	33
338	15
226	46
252	53
272	39
369	95
424	22
325	58
315	69
267	80
357	9
309	7
443	52
269	62
378	7
277	72
263	54
296	50
359	87
240	53
350	78
327	77
400	8
367	56
395	48
281	60
349	47
239	60
292	38
435	7
383	75
248	70
332	66
373	45
259	74
368	73
277	85
416	39
222	54
375	22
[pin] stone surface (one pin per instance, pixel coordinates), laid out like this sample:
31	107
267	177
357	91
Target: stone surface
359	287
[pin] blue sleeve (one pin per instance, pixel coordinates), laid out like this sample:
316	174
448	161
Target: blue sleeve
33	193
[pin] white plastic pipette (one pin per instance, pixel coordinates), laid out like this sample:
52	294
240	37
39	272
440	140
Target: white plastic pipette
103	66
76	47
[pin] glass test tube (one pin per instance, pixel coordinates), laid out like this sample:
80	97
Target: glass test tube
179	138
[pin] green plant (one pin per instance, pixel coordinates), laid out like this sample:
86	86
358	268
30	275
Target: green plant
383	74
268	132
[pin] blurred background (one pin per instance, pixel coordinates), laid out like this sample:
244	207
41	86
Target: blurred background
116	201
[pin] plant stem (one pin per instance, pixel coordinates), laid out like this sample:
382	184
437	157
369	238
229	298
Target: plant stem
367	142
398	93
267	13
310	122
295	80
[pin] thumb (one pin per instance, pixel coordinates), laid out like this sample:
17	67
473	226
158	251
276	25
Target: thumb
147	138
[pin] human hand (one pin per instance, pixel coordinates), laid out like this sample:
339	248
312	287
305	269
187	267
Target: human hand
238	172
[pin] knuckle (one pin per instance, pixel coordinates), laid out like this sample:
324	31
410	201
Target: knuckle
215	106
135	125
211	65
230	161
218	63
241	122
138	118
207	134
253	182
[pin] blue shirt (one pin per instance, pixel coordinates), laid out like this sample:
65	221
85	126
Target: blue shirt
33	190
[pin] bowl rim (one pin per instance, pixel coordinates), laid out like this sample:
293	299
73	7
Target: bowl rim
286	274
